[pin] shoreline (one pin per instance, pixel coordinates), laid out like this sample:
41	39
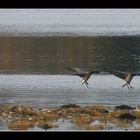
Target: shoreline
66	35
70	117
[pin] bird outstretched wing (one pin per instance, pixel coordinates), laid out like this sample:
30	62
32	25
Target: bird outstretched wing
82	70
137	74
77	70
120	74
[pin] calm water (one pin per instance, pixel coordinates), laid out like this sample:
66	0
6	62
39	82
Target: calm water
57	90
43	79
36	46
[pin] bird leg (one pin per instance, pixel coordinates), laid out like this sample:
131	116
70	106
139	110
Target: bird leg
87	84
126	84
130	86
83	81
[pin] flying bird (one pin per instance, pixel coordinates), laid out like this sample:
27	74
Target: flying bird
126	76
85	74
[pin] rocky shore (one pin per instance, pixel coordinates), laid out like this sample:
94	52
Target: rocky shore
69	117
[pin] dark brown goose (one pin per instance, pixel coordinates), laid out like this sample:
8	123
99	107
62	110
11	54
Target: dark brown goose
126	76
85	74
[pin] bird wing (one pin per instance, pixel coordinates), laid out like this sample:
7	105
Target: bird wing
78	70
137	74
97	72
120	74
82	72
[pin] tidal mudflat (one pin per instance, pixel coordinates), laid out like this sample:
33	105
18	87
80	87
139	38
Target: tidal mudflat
59	102
69	117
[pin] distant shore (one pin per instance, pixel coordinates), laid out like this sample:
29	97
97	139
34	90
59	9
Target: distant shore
64	35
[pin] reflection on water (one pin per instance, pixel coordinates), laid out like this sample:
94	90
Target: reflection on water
51	55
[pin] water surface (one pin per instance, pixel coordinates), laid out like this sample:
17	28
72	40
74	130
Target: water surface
51	55
37	45
57	90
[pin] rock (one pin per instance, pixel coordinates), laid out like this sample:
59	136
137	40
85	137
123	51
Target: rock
45	125
137	114
94	123
126	116
16	109
104	111
69	106
23	110
121	107
29	111
21	124
48	116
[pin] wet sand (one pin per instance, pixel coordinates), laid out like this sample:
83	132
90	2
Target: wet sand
69	117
